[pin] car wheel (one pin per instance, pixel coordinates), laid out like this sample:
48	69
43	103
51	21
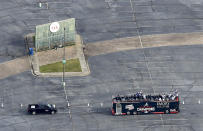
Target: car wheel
34	113
52	112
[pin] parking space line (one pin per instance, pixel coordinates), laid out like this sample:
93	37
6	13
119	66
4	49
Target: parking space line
145	58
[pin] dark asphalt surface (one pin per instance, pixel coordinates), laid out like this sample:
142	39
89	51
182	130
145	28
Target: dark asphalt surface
97	20
122	72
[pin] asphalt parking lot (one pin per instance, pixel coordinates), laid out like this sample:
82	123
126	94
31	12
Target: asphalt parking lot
97	20
122	72
90	97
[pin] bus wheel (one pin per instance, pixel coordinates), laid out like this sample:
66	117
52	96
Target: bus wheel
167	111
134	113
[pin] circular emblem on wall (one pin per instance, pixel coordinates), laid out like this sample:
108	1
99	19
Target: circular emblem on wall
54	27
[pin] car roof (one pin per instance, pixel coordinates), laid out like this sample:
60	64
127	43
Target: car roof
40	104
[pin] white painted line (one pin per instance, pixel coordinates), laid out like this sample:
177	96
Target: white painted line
145	58
199	102
70	114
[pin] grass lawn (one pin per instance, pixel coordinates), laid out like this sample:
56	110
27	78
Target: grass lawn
72	65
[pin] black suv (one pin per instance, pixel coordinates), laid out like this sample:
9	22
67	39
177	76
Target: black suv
42	108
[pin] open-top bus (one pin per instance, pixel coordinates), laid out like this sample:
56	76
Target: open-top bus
139	103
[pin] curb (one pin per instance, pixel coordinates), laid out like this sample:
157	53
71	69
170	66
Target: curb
80	53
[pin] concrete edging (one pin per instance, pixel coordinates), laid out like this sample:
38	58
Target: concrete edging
80	55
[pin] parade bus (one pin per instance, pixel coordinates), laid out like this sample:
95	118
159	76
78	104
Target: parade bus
139	103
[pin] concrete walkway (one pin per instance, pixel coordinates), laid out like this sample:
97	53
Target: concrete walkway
22	64
14	67
148	41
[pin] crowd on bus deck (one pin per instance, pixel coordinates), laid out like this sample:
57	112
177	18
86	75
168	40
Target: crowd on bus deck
140	96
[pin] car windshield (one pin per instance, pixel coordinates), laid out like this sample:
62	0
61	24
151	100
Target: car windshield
48	105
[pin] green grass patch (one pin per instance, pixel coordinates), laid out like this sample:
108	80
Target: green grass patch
72	65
